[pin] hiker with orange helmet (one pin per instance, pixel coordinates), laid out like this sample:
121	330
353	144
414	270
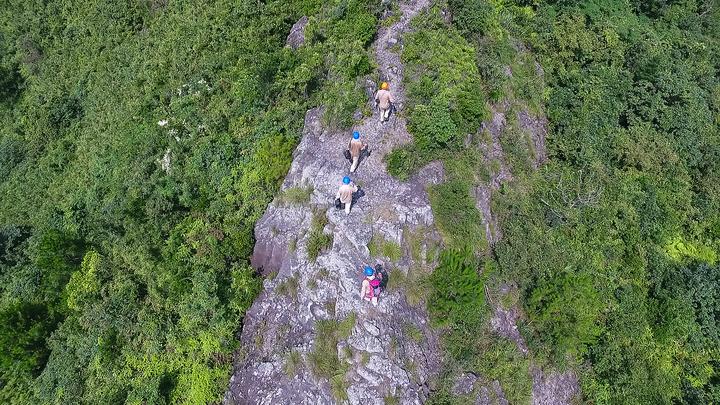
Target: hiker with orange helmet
384	101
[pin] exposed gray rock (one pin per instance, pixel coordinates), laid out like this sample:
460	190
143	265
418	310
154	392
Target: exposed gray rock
504	322
371	328
382	361
296	38
464	384
537	127
553	388
494	157
370	89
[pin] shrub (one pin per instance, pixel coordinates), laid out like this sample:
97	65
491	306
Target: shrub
459	222
404	161
433	126
318	240
458	293
296	195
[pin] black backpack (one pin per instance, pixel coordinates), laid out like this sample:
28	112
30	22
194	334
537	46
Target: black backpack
382	275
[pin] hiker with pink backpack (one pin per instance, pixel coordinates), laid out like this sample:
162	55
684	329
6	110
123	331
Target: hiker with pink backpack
372	285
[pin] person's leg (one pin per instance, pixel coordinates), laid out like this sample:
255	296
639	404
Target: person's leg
355	162
382	114
374	301
347	207
386	114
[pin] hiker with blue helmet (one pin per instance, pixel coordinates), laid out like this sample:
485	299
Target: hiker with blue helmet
371	285
355	148
345	193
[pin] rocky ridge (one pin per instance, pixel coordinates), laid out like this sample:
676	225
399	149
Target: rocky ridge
388	351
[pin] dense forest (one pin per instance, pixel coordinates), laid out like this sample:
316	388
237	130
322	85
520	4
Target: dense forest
141	140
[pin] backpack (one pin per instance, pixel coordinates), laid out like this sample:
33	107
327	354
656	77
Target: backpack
375	288
347	154
382	275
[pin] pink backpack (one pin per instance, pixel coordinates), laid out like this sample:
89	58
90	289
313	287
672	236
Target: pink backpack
374	289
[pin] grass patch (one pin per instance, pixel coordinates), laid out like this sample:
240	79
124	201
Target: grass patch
324	359
422	249
414	284
296	195
293	363
338	387
379	246
390	400
502	361
289	287
318	240
405	160
459	222
413	332
518	148
292	245
414	241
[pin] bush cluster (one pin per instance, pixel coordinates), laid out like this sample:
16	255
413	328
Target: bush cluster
139	143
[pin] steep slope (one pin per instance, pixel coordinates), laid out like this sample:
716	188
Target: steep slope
308	338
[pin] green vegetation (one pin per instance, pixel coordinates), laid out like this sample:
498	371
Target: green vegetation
289	287
296	195
457	304
413	332
293	363
391	400
459	222
139	143
381	247
324	358
613	243
318	240
414	284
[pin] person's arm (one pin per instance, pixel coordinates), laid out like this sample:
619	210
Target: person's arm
364	145
355	188
362	288
338	194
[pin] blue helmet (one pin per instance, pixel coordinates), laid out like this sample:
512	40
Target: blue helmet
346	180
356	135
369	271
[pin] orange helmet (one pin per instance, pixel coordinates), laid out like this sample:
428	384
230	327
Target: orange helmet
384	86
